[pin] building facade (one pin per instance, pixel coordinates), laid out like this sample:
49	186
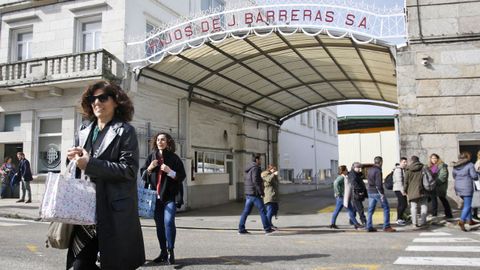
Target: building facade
308	146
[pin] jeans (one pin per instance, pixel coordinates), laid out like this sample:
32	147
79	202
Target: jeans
25	185
250	201
373	198
359	208
467	209
338	208
423	210
272	210
402	204
165	222
446	205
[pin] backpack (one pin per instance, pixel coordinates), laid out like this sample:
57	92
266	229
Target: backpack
428	181
388	182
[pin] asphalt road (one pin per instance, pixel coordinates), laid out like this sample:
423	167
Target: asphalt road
312	247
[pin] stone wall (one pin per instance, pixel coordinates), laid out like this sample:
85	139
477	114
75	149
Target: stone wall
438	79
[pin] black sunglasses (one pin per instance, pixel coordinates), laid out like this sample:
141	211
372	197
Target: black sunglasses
102	98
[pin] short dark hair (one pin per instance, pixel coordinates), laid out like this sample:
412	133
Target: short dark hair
170	142
403	158
255	157
414	159
377	160
124	110
7	158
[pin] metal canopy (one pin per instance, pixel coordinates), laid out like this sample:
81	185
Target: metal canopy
278	76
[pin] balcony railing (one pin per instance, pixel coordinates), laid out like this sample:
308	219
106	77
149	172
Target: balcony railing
82	65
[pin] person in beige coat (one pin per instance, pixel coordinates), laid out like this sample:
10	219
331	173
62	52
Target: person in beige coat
415	192
270	183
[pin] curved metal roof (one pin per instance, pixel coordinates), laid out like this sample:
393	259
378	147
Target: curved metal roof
277	76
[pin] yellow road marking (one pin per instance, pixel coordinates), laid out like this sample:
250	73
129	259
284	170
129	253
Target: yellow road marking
328	209
351	266
32	248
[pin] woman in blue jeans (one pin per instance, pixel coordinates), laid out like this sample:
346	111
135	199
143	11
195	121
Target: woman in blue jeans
163	171
342	188
464	174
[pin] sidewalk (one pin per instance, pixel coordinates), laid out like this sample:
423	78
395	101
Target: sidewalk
305	210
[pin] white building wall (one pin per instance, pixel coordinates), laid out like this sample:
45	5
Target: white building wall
364	147
297	147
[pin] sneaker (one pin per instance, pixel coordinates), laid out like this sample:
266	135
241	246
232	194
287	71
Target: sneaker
371	230
389	229
333	226
243	232
275	228
21	200
401	222
269	231
358	226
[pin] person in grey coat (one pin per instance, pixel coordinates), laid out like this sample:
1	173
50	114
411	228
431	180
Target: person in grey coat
107	150
464	174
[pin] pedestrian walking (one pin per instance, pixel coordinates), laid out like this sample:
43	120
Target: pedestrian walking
254	191
342	192
359	191
376	194
464	174
24	175
398	188
416	193
439	172
7	170
477	168
107	150
271	199
164	172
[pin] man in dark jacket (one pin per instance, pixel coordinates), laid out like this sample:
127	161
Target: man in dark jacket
415	192
25	176
253	196
377	194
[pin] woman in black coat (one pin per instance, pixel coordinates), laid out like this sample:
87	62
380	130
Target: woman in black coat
107	149
163	171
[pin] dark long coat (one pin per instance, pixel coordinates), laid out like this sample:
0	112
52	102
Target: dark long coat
172	190
113	167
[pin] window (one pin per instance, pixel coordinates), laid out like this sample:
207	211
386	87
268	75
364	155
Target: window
324	124
330	126
89	34
302	119
12	122
309	118
318	120
22	44
334	127
307	174
49	145
209	162
286	174
212	4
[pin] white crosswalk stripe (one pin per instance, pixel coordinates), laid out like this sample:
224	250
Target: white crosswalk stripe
444	248
445	240
442	242
439	261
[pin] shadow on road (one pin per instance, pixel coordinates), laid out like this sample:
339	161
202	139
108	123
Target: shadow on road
235	260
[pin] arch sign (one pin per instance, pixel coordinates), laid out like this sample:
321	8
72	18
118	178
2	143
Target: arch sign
338	19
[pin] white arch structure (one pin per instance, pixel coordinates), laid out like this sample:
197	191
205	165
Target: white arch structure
275	60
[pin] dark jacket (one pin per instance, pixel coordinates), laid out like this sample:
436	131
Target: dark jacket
359	188
172	189
253	180
414	181
441	180
113	167
375	180
464	174
24	170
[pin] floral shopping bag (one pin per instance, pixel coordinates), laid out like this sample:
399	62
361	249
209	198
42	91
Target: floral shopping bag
68	199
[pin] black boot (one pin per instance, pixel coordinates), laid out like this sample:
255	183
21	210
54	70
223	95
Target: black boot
163	257
171	256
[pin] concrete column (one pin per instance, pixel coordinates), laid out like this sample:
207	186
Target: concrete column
27	126
68	133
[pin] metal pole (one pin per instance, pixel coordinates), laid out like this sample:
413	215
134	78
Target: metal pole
315	150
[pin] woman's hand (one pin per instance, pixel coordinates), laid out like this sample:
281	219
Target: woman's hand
82	160
73	152
152	165
165	168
